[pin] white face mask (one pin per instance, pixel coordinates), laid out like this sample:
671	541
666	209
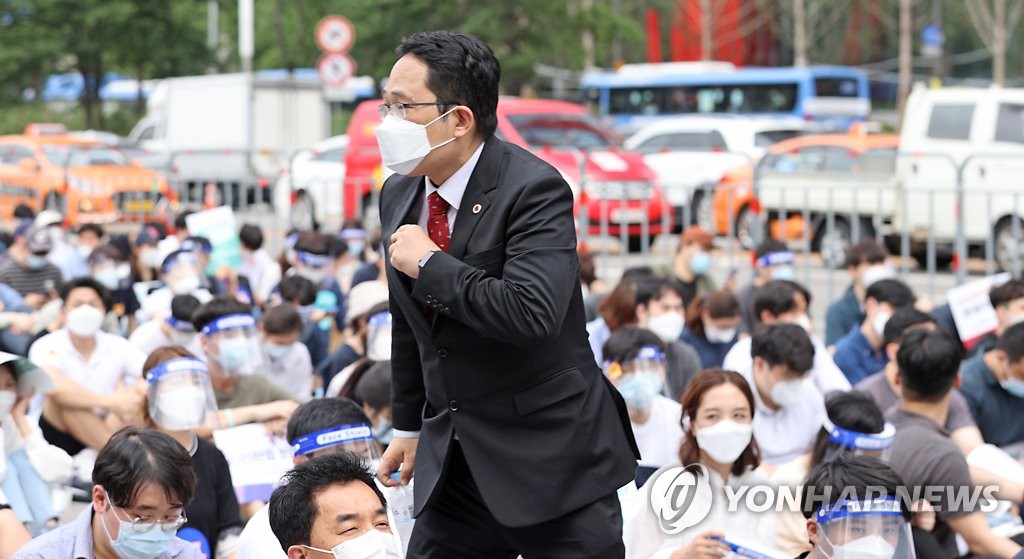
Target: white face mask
718	335
380	349
185	285
726	440
875	273
787	393
180	409
7	399
804	322
667	326
869	547
84	321
404	144
878	323
371	545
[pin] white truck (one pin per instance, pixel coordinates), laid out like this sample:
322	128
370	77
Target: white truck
232	130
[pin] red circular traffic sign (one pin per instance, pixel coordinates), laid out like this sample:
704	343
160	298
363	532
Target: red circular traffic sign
335	67
335	34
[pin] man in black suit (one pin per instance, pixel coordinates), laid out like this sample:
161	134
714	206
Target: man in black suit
518	440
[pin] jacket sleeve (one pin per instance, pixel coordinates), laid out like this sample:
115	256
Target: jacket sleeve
408	393
527	304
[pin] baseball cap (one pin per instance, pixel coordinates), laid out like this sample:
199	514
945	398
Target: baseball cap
148	236
28	375
49	217
39	240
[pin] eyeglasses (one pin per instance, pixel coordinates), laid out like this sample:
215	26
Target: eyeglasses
398	109
143	524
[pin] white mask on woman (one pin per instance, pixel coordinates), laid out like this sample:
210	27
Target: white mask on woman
726	440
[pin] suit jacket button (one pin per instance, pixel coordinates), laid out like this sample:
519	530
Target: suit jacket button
453	405
442	353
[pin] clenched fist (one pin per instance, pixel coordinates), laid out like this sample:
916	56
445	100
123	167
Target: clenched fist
409	245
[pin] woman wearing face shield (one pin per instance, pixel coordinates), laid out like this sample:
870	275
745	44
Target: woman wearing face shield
718	412
180	400
853	510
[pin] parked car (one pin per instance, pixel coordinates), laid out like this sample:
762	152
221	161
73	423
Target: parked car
981	131
833	188
308	191
612	184
691	153
86	180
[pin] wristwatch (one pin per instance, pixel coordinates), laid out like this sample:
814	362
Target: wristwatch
423	261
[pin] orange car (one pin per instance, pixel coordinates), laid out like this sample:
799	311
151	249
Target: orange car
804	168
85	180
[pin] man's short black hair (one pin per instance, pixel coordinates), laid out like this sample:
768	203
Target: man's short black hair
1009	291
181	220
901	320
866	251
770	246
135	457
282	319
22	211
653	289
779	297
298	290
860	474
184	306
88	283
293	505
94	228
784	344
1012	342
853	410
626	342
892	291
222	305
251	236
461	70
323	413
929	361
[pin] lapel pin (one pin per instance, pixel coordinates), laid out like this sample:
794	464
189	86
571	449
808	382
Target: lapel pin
477	208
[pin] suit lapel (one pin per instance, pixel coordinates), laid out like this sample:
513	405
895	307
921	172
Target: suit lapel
485	178
412	193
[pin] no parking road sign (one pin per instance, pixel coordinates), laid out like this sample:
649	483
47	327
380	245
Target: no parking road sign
335	34
335	68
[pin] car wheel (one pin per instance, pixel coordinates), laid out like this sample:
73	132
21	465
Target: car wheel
832	244
702	211
746	226
302	215
1006	247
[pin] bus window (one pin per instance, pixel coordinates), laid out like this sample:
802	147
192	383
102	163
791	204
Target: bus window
835	87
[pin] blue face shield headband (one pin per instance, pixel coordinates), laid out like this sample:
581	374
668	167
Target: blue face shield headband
229	322
776	258
312	260
183	326
860	441
175	366
883	506
332	436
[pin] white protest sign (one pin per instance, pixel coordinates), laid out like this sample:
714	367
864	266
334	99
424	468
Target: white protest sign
972	311
257	461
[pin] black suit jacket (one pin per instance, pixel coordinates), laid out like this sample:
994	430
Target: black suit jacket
505	362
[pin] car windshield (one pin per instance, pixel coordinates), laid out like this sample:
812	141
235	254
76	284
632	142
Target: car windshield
768	137
560	130
85	156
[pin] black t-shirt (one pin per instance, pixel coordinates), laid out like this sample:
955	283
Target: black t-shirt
214	507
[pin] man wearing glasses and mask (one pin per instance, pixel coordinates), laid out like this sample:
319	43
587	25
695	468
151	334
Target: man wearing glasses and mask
143	480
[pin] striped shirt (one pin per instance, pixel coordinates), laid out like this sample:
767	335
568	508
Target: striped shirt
31	280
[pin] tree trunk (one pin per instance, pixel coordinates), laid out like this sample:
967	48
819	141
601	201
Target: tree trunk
101	119
140	99
906	57
999	34
282	44
706	30
587	37
799	33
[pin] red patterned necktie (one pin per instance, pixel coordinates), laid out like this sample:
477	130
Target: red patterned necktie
437	220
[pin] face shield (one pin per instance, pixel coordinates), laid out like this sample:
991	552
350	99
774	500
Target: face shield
356	438
871	444
378	337
874	529
779	265
312	266
236	344
180	395
181	332
181	273
640	378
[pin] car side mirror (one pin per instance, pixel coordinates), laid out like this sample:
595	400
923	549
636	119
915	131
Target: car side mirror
28	164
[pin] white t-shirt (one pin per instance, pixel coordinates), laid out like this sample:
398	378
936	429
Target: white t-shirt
660	437
263	273
149	336
113	360
157	305
825	375
294	372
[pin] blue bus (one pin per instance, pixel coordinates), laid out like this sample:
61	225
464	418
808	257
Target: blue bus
834	96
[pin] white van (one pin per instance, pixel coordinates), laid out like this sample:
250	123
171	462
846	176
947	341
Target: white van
981	130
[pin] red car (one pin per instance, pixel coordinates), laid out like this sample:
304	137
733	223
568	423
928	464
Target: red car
611	184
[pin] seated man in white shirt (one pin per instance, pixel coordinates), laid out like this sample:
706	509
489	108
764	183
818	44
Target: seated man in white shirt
790	410
92	372
175	329
787	302
635	362
257	541
290	366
